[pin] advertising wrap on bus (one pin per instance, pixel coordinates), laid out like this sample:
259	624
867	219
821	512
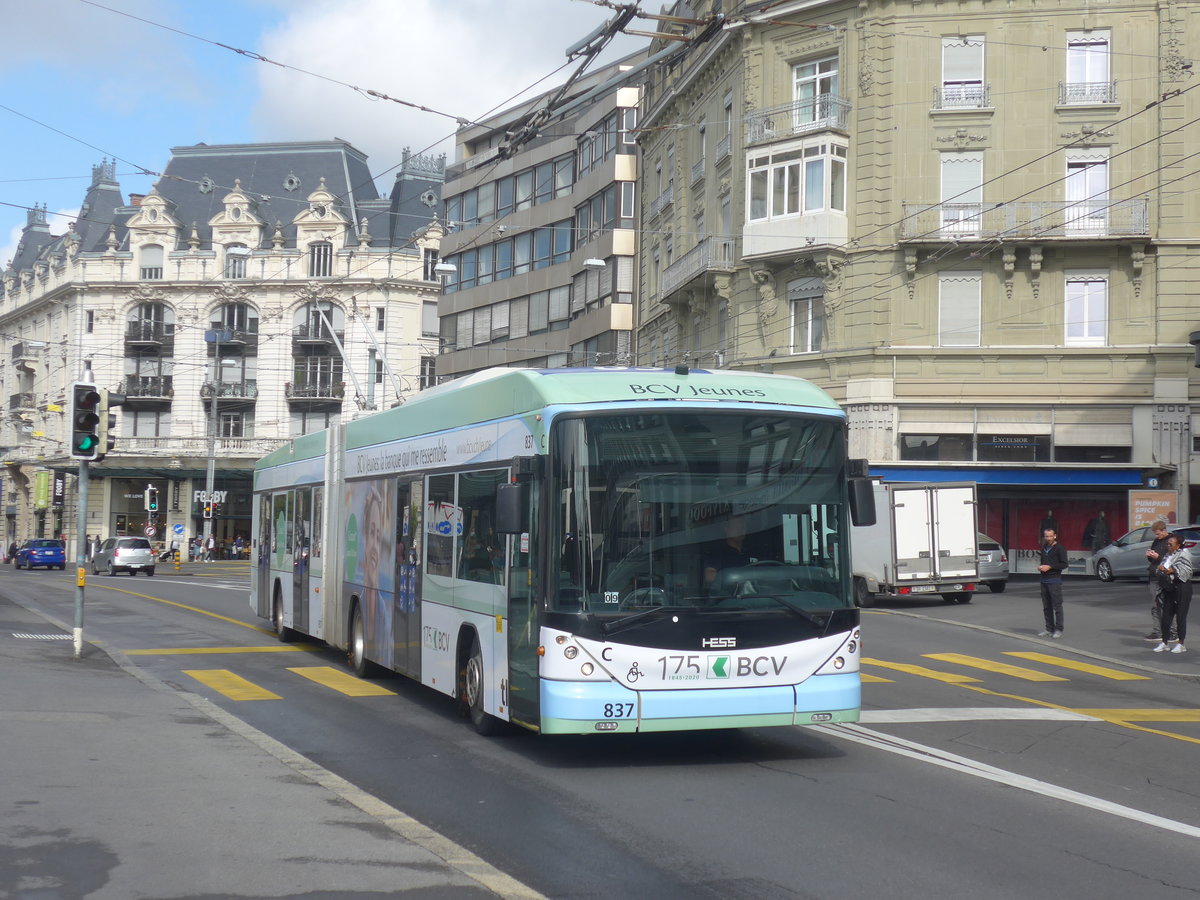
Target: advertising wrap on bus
580	550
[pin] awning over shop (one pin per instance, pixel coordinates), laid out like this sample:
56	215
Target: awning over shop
1026	475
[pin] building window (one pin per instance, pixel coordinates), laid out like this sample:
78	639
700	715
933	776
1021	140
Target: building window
90	321
320	259
814	86
962	73
235	260
427	376
429	261
807	298
1087	191
805	178
1086	309
1088	70
377	367
380	318
959	302
962	192
152	263
146	423
231	424
429	319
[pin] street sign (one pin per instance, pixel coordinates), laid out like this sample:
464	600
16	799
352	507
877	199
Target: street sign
150	530
178	528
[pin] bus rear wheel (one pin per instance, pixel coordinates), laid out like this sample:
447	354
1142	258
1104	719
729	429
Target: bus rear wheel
362	666
472	692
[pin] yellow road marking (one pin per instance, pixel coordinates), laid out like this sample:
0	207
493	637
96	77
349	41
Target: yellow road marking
988	665
1143	715
948	677
235	687
1102	671
874	679
342	681
195	609
179	651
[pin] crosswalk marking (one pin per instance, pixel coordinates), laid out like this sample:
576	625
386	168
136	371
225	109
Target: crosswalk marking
988	665
233	686
1061	662
341	681
874	679
186	651
948	677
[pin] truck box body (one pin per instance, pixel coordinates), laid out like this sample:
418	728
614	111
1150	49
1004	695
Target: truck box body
923	542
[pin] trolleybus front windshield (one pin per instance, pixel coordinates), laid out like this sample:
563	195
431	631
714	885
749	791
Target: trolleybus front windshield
735	512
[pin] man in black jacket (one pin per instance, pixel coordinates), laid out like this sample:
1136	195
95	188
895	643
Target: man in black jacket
1154	556
1052	562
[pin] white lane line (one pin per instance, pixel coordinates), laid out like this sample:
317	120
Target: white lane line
971	714
965	766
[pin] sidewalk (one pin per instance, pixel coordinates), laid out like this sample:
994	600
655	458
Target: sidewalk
115	786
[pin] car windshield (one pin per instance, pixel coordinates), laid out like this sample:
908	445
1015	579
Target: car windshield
687	511
134	544
45	545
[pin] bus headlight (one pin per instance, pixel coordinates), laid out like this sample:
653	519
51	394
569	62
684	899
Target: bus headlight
571	651
587	668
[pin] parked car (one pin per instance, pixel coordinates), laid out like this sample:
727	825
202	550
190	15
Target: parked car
127	553
1126	556
993	563
41	552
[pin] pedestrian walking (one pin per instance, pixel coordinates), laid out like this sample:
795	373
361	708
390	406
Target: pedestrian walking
174	549
210	547
238	547
1175	577
1052	562
1155	555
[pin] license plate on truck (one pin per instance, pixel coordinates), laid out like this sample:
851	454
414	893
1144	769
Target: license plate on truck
922	589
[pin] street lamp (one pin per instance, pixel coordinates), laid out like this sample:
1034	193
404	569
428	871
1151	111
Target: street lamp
215	337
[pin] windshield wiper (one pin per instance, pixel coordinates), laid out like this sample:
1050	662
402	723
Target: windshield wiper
796	609
615	625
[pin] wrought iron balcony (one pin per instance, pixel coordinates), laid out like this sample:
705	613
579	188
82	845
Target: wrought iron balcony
723	147
1083	93
711	254
824	113
962	96
698	170
1033	219
315	334
316	389
229	390
662	201
236	335
143	332
148	387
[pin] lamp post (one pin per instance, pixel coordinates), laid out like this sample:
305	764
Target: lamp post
215	337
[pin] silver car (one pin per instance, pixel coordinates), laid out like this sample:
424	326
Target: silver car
124	553
1126	556
993	563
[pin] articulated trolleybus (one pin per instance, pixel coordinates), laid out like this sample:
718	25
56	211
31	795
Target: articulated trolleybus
580	550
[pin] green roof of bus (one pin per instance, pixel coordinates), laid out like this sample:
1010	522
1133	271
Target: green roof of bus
500	393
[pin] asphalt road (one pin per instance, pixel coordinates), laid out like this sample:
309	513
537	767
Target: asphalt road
967	778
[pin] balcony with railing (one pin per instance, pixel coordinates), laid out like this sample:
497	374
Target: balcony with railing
229	390
236	336
723	147
315	389
315	335
698	170
800	117
662	201
1027	220
710	255
22	402
25	354
149	333
962	96
148	387
1086	93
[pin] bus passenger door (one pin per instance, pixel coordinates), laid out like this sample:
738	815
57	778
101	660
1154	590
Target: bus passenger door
262	556
524	627
406	618
301	547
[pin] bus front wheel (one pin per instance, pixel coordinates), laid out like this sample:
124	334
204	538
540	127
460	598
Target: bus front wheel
472	692
285	634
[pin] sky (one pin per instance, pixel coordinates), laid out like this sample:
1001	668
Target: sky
86	80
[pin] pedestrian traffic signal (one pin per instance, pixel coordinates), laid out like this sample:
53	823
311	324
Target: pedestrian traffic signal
85	421
151	498
108	422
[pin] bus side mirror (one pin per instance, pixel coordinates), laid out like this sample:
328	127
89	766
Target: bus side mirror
512	508
862	501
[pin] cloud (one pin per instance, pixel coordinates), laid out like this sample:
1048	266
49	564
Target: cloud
464	59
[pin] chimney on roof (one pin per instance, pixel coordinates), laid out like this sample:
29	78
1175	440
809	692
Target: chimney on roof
136	199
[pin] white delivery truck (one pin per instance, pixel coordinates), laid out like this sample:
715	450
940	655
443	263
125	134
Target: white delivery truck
923	542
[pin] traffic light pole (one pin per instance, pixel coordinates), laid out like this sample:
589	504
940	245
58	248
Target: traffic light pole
80	555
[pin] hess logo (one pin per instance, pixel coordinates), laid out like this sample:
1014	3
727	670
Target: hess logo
715	643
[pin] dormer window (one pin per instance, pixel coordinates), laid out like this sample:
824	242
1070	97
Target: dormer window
235	213
320	259
235	260
151	268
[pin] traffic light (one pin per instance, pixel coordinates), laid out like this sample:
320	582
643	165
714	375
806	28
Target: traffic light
108	421
208	509
85	421
151	498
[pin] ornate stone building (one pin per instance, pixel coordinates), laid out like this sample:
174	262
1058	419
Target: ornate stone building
975	225
257	293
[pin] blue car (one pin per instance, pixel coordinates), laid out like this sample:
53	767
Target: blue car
41	552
